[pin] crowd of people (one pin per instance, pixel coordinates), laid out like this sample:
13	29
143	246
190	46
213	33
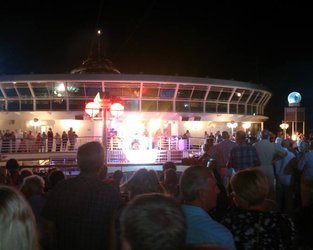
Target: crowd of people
236	195
18	141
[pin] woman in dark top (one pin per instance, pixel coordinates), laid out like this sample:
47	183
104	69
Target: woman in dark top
252	225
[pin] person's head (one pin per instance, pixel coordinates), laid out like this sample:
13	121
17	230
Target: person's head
280	141
225	135
240	136
90	157
23	174
33	185
250	188
265	134
141	182
169	164
117	175
209	142
17	223
170	179
12	165
304	147
153	221
198	187
56	176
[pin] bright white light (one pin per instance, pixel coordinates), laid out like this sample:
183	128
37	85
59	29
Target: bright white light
117	109
232	124
294	97
61	87
141	156
294	137
34	123
92	109
246	125
284	125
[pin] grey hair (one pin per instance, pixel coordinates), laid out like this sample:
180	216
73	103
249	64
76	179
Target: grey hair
194	179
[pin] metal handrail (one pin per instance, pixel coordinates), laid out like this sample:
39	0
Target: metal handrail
166	149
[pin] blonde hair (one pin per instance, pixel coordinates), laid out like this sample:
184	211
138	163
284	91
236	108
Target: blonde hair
17	223
142	181
250	187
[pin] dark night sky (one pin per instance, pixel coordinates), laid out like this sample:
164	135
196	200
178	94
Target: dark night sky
268	44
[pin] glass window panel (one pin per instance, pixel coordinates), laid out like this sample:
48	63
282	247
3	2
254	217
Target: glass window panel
149	106
241	109
150	92
167	93
196	106
114	91
198	94
10	92
2	105
13	105
254	110
249	110
76	89
221	108
59	104
24	92
182	107
131	105
210	107
184	93
41	91
165	106
258	98
131	92
263	98
123	89
214	93
43	105
1	95
233	108
92	89
251	100
245	96
237	95
27	105
78	104
225	94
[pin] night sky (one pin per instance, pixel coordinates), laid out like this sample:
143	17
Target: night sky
268	44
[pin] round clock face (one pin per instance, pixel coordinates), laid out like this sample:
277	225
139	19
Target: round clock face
294	97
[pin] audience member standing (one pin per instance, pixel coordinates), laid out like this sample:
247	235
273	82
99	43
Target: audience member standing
268	152
64	140
17	223
199	194
44	142
33	190
306	183
13	168
153	221
81	209
243	155
221	151
50	139
253	226
57	142
285	183
70	135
